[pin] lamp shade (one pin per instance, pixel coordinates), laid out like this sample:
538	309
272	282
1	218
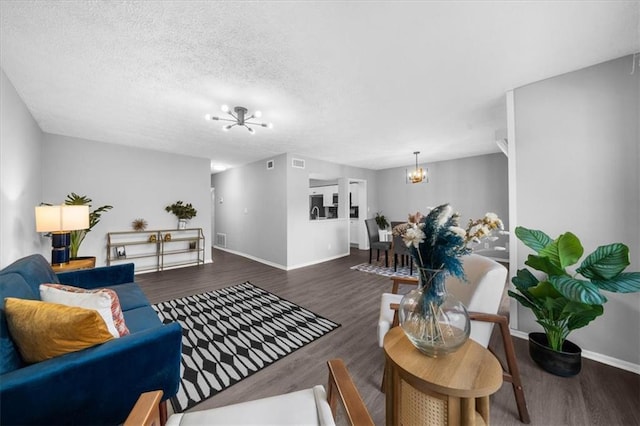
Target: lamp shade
61	218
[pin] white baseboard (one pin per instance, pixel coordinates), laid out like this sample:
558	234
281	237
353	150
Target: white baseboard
277	265
302	265
605	359
248	256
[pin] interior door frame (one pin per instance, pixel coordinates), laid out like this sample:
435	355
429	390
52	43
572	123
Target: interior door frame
363	240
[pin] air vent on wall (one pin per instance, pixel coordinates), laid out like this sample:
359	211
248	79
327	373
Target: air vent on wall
298	163
270	164
221	240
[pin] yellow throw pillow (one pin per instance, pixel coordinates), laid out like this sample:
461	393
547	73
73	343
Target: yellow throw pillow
44	330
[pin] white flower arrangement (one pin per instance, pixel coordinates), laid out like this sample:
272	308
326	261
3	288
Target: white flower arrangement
482	228
436	241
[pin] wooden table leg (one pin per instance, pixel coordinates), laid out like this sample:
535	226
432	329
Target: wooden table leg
468	410
389	392
482	405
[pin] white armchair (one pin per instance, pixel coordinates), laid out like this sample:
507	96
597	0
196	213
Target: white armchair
313	406
481	294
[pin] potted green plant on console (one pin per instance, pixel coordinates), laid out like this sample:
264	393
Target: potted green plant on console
381	221
183	212
563	301
77	237
383	224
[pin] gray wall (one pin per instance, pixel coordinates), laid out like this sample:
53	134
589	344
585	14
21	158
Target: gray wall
38	167
265	213
253	211
267	218
138	183
313	241
20	177
473	186
577	161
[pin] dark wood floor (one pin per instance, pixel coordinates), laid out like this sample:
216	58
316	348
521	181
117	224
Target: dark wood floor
599	395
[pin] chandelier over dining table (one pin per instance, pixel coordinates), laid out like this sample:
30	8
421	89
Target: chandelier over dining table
419	174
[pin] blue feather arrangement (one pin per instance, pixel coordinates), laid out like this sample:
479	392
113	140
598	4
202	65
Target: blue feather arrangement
443	242
436	241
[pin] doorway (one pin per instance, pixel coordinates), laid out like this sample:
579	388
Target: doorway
358	210
213	215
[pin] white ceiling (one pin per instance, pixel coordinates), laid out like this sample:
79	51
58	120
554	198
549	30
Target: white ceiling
357	83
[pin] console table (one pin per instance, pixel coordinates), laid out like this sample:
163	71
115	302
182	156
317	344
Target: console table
158	249
75	264
451	390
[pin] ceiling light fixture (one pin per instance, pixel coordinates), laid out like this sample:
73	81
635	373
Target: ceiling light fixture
240	118
419	174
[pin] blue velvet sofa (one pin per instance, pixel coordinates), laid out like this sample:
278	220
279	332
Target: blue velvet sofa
98	385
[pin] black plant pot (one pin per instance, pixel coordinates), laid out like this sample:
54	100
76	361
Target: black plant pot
566	363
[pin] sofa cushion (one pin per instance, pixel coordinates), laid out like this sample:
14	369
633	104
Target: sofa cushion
102	276
141	318
103	300
34	269
44	330
130	295
11	285
20	279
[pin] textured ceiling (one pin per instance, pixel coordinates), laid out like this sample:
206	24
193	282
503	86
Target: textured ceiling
357	83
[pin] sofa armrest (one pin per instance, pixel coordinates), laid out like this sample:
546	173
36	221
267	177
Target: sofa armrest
98	277
105	380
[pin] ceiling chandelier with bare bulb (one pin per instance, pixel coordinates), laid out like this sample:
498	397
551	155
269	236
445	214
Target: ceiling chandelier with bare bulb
419	174
240	118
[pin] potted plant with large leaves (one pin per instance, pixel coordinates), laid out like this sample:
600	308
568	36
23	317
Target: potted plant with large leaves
563	301
77	237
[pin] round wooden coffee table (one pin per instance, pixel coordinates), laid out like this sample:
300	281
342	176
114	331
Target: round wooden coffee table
450	390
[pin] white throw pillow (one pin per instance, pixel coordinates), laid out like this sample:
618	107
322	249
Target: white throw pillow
98	301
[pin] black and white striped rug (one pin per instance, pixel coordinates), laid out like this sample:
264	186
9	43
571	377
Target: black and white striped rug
231	333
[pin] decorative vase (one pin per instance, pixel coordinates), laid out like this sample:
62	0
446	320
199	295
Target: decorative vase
182	224
565	363
434	321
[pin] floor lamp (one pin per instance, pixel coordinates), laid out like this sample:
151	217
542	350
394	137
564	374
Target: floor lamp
60	221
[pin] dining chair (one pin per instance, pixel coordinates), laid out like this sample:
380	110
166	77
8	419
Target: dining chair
375	243
401	251
482	294
341	401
